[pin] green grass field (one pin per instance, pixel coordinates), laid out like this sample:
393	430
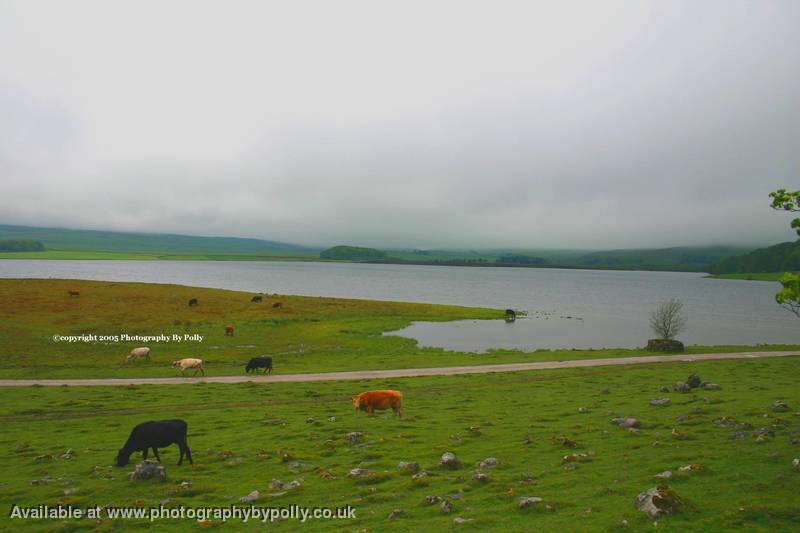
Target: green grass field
244	436
305	335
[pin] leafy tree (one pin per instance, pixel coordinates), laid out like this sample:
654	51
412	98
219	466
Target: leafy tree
789	297
669	319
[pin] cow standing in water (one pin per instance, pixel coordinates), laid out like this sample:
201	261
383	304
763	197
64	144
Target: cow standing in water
380	400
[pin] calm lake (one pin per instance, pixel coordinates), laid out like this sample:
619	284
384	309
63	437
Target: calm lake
567	308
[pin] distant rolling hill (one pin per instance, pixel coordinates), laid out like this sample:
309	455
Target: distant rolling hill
783	257
114	241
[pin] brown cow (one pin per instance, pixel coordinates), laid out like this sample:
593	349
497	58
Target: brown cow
74	293
379	399
277	305
229	331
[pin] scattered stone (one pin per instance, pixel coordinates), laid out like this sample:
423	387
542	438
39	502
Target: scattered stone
663	389
408	466
358	472
528	501
458	520
419	475
726	422
697	409
147	470
394	515
796	464
480	476
658	501
332	419
567	442
449	460
693	381
681	418
45	457
660	401
185	485
354	437
779	405
583	410
455	438
431	500
44	481
570	466
627	423
311	420
666	474
236	461
681	387
489	462
253	496
711	386
69	454
475	430
446	507
739	435
272	422
277	484
763	434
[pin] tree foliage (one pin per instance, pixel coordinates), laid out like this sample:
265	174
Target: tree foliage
783	200
21	246
789	297
669	319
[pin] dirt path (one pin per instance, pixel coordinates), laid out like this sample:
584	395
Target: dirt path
397	373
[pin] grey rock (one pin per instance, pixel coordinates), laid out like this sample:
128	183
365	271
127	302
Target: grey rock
739	435
45	457
627	422
354	437
663	389
796	464
658	501
69	454
419	475
148	470
528	501
458	520
779	405
449	460
253	496
408	466
358	472
480	476
332	419
277	484
666	474
693	381
681	387
711	386
446	507
489	462
431	500
394	515
660	401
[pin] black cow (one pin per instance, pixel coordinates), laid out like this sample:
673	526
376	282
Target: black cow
155	435
256	299
264	362
511	315
192	302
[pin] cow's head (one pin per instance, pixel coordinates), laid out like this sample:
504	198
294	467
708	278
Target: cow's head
356	401
176	364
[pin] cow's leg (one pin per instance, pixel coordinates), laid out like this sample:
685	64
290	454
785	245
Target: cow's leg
185	450
144	454
182	448
202	371
155	452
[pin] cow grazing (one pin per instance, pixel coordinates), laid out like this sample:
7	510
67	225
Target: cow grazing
379	400
74	293
189	363
255	299
263	361
139	353
192	302
277	305
154	435
229	331
511	315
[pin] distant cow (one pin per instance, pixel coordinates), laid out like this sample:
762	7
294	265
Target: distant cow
379	399
192	302
256	299
74	293
264	362
190	363
139	353
229	331
154	435
277	305
511	315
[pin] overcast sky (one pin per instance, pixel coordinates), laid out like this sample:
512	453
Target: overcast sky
404	124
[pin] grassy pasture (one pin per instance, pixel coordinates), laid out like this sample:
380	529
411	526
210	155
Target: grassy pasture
305	335
238	434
